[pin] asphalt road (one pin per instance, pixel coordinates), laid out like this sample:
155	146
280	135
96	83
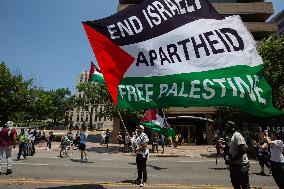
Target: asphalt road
108	170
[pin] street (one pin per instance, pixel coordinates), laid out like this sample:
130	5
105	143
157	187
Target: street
106	169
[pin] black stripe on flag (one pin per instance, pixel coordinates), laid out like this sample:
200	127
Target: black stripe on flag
157	17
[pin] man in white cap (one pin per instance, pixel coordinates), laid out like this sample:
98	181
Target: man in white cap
7	141
142	154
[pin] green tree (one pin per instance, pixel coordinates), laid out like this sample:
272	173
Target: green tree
92	95
272	52
59	104
13	92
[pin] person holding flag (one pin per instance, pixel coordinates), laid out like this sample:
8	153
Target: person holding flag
142	154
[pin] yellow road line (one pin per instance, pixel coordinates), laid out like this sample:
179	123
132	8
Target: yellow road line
115	184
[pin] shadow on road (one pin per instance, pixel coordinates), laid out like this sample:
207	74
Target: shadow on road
259	174
153	166
84	186
209	155
219	168
78	160
105	150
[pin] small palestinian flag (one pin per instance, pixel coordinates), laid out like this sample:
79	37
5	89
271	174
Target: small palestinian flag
168	53
95	74
156	123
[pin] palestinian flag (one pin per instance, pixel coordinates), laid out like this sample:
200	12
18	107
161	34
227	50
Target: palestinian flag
95	74
167	53
156	123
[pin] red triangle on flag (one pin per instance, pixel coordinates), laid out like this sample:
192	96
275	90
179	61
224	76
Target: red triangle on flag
112	60
149	115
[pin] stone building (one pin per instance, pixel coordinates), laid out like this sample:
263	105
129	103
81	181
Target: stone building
254	14
279	20
79	115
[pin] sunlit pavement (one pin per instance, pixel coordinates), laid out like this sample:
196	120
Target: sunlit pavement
110	168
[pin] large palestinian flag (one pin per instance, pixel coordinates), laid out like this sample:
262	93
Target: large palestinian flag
167	53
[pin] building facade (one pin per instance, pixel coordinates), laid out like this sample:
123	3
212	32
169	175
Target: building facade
80	116
279	20
254	14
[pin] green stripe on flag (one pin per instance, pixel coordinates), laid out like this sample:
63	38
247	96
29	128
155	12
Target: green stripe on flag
222	87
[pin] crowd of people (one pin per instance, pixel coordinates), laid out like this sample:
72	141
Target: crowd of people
268	149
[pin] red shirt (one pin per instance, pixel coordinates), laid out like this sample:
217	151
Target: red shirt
5	139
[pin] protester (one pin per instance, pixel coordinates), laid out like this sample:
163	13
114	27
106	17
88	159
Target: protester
126	141
142	155
82	143
204	138
155	143
179	139
103	136
120	138
23	140
49	140
162	142
277	158
263	154
107	137
76	140
238	161
7	141
65	144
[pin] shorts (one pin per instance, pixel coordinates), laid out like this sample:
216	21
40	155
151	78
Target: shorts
82	146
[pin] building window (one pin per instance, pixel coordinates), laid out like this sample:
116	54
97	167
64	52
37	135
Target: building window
77	118
110	118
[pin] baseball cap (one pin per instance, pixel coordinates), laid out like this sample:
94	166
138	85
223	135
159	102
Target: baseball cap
141	127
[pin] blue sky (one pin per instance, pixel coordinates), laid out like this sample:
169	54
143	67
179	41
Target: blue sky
45	40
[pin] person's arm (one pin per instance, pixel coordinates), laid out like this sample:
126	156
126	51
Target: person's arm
142	148
269	141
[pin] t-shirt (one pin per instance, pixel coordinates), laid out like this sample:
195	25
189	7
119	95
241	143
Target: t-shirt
140	140
6	136
236	140
276	149
83	138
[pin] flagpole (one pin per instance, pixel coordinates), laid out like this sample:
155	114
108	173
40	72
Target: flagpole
122	120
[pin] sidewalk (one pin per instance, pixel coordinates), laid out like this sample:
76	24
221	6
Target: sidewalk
180	151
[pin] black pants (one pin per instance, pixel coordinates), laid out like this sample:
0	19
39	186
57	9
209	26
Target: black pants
278	173
239	176
141	166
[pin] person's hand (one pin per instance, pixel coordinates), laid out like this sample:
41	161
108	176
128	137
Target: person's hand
265	134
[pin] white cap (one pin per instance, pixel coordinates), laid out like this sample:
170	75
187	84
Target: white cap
141	127
9	124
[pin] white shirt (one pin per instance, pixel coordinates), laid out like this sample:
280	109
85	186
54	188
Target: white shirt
276	149
140	140
236	140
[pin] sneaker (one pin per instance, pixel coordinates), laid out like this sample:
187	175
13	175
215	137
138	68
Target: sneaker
86	159
145	183
9	171
141	184
136	182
